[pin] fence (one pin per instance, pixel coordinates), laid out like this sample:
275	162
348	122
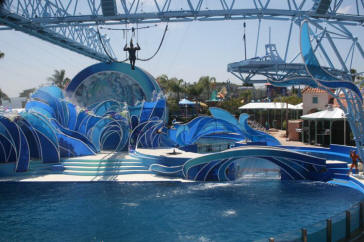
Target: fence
344	226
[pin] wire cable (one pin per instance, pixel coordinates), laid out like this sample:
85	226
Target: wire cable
103	46
140	59
159	47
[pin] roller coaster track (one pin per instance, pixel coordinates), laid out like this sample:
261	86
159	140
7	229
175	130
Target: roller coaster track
69	24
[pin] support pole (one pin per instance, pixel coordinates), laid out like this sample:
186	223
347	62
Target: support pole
287	119
289	40
328	230
258	36
348	224
361	215
303	132
344	130
315	132
304	235
244	40
309	131
330	132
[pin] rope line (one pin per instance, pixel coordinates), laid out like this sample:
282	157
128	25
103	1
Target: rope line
140	59
103	46
159	47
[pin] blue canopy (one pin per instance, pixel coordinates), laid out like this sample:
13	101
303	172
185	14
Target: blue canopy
186	102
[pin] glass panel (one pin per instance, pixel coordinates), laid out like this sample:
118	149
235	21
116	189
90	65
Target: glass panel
354	218
338	227
317	232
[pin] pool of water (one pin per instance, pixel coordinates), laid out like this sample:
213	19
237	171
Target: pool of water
242	211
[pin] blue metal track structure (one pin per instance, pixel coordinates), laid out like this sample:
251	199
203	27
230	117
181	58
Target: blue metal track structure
67	23
24	16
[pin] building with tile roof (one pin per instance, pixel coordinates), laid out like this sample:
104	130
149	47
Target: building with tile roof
315	99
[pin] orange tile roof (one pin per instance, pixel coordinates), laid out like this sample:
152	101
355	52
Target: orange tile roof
311	90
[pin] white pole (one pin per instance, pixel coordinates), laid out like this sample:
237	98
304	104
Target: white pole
344	130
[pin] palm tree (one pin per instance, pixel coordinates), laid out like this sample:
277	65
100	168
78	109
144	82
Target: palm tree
58	79
194	91
2	2
175	85
163	83
206	82
3	96
26	93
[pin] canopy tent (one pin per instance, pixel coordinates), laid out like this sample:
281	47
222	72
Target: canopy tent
272	105
333	114
272	114
325	127
186	102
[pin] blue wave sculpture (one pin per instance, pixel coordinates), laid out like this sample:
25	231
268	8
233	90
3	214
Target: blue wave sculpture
314	68
220	166
255	135
14	144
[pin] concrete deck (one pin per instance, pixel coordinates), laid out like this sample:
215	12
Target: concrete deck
75	178
101	158
168	152
104	157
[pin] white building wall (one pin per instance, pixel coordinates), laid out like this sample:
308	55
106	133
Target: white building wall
308	105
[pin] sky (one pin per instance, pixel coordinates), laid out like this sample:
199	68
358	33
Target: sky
190	50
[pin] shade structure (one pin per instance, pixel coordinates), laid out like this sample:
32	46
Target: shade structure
185	101
298	106
273	105
333	114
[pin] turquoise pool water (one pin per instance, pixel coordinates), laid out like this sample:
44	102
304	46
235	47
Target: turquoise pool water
241	211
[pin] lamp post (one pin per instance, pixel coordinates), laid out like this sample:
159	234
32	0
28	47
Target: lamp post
344	116
186	112
287	119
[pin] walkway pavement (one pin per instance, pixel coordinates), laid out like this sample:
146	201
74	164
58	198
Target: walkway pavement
281	136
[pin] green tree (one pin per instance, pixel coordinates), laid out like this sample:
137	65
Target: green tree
205	82
293	99
59	79
163	83
232	105
246	96
3	96
26	93
176	86
194	91
1	55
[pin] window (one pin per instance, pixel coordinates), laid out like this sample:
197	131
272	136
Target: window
314	99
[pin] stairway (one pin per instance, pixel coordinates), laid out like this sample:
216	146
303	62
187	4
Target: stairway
112	166
339	169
